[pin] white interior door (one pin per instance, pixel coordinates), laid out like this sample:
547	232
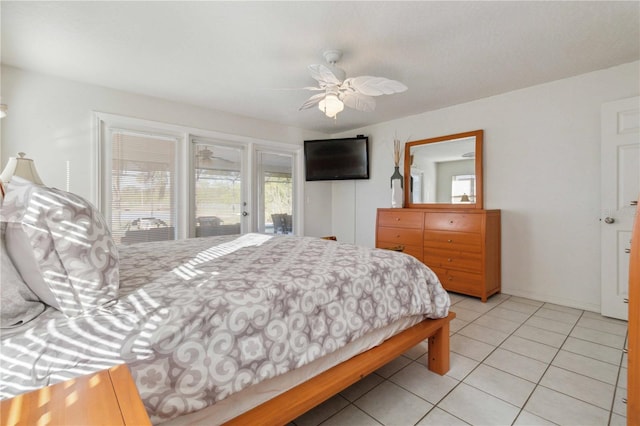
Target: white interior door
620	186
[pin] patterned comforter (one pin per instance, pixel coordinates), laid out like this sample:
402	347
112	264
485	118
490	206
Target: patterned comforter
200	319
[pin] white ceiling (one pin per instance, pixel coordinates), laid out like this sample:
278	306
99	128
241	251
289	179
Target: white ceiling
241	57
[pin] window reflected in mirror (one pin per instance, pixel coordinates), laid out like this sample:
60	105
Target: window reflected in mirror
435	165
446	170
463	188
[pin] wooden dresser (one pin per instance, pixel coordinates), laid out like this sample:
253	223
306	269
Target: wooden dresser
461	246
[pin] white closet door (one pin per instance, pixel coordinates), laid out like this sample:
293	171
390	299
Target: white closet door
620	186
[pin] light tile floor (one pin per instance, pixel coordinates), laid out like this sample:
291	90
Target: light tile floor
514	361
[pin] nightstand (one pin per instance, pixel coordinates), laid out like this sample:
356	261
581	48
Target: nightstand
108	397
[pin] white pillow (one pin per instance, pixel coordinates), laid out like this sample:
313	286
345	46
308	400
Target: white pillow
18	304
61	245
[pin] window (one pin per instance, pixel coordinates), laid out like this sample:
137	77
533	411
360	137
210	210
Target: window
159	181
143	175
463	189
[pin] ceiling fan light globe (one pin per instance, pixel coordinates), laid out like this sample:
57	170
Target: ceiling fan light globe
331	105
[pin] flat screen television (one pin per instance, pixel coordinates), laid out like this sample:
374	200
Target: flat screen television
337	159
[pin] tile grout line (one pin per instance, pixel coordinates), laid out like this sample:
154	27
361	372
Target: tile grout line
615	389
547	369
482	362
475	368
558	349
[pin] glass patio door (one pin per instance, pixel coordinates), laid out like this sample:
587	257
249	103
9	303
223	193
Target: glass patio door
219	190
275	192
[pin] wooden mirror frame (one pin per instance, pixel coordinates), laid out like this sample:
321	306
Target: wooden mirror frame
479	135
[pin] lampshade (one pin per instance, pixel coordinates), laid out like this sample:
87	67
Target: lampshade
22	167
331	105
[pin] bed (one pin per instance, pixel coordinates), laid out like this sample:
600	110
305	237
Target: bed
213	329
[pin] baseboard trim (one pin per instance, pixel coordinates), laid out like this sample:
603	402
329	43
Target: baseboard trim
571	303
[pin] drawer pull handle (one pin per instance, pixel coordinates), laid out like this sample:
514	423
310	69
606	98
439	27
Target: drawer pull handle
449	241
625	300
450	221
624	351
627	250
624	400
633	203
398	219
450	278
449	260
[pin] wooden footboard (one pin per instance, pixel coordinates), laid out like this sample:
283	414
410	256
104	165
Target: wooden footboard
298	400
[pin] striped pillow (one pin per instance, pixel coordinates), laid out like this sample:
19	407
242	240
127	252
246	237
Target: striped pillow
61	245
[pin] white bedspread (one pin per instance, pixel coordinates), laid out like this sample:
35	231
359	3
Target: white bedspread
200	319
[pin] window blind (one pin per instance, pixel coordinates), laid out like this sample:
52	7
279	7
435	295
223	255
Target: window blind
143	177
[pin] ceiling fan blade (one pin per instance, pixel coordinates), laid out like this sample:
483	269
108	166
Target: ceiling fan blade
323	75
222	159
374	86
359	102
312	101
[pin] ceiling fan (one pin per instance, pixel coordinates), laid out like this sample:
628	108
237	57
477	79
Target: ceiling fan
338	91
205	155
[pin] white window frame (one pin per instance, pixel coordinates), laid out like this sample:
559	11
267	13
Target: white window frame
105	125
105	122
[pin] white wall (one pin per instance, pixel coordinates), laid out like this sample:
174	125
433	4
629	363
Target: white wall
541	168
542	164
50	119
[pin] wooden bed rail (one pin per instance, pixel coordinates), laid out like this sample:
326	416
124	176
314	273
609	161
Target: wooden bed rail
300	399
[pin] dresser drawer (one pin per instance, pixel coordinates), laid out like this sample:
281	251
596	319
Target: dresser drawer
465	222
463	241
400	219
471	262
407	236
460	282
415	251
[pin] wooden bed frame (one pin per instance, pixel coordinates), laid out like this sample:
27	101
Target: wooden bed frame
298	400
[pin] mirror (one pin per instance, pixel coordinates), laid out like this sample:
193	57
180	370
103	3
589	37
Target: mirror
444	172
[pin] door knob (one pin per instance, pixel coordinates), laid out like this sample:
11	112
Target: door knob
245	214
609	220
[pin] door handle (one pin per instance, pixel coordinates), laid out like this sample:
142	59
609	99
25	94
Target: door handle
609	220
